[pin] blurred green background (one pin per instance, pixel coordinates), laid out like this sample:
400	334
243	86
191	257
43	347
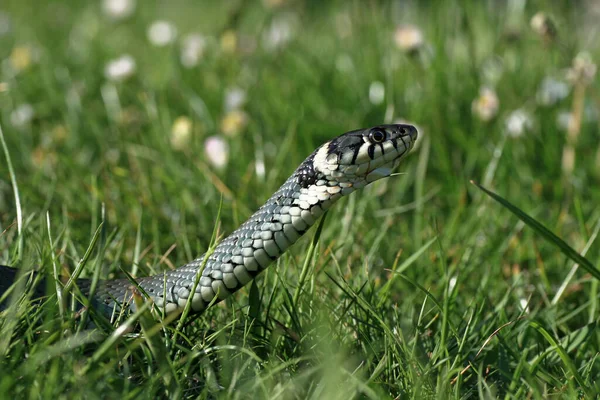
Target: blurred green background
145	113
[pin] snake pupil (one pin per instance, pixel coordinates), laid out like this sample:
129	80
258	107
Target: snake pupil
377	136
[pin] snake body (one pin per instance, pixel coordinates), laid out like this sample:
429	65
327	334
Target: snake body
335	169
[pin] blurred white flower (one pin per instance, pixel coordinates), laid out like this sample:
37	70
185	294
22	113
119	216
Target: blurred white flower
247	44
217	151
120	68
343	63
280	32
376	93
492	70
552	91
192	50
409	38
161	33
563	120
590	112
22	115
583	69
486	105
343	24
543	25
273	3
181	133
235	98
118	9
517	123
524	304
452	283
5	25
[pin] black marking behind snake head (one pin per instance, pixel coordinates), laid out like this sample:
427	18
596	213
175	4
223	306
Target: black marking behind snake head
306	174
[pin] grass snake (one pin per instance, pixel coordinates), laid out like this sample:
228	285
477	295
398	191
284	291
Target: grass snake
335	169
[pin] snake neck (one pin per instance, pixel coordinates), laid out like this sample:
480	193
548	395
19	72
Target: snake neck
248	250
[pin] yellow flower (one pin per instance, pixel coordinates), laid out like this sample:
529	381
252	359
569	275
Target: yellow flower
229	41
181	133
21	58
59	133
234	122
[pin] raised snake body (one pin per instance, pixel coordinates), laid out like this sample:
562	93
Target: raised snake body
335	169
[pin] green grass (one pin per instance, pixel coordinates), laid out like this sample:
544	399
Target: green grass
419	286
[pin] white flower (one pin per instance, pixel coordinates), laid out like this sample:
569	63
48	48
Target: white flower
492	70
120	68
235	98
273	3
192	50
409	38
543	26
343	24
552	91
563	120
452	283
5	25
118	9
181	133
486	105
583	69
217	151
22	115
517	123
343	63
524	304
161	33
376	93
280	32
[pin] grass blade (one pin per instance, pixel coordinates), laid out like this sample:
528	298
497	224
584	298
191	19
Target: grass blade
564	357
545	233
308	261
13	180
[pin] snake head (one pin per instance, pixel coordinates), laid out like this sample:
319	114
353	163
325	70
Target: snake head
362	156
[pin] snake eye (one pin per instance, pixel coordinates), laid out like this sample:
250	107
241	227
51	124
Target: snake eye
377	136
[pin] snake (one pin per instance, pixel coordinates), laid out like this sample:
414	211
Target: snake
335	169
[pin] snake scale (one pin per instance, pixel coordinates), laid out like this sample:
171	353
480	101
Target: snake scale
335	169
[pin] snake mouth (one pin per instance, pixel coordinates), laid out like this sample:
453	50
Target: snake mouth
383	171
378	173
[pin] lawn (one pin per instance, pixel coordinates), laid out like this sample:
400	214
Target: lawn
131	130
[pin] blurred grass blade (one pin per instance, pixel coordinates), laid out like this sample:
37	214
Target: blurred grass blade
545	232
13	180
